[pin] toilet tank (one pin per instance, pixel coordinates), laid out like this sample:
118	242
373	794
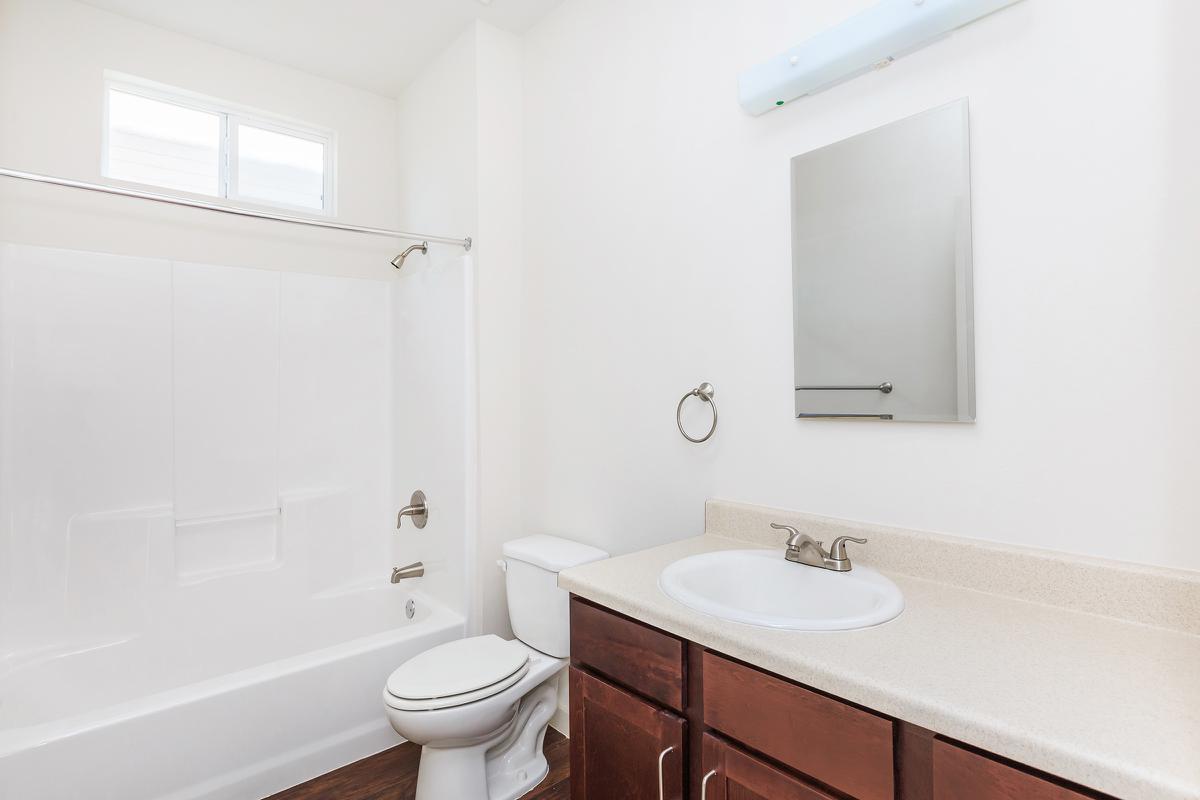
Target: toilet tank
537	609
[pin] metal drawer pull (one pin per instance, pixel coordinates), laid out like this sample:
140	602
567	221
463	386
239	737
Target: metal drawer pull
885	387
661	756
705	392
704	784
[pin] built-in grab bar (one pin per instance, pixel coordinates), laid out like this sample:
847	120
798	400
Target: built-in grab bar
219	518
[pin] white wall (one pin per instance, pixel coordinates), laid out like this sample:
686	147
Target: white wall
436	142
656	257
53	54
499	76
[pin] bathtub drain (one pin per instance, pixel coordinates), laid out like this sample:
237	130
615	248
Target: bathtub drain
410	609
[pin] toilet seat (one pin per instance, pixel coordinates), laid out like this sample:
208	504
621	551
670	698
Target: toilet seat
457	673
453	701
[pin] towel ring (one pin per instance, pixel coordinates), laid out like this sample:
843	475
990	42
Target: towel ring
705	392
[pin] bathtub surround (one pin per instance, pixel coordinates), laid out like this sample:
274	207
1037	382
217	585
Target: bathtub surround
212	398
1079	680
202	524
433	406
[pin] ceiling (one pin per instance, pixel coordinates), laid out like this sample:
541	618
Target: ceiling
377	45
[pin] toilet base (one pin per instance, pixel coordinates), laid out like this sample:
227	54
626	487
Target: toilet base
504	767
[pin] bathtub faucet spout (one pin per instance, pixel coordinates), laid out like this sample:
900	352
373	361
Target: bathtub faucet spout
415	570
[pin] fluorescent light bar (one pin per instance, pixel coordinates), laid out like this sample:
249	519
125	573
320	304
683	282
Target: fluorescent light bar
869	40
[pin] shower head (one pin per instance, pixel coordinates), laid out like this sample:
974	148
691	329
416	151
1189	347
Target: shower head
398	261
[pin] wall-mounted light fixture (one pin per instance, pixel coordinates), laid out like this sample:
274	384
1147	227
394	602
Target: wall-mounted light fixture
867	41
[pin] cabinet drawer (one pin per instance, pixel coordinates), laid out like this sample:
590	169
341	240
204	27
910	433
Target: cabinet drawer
643	658
839	745
959	773
732	774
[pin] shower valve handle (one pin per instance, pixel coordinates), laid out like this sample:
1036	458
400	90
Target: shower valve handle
416	508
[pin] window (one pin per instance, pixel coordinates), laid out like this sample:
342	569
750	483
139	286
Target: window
163	144
175	140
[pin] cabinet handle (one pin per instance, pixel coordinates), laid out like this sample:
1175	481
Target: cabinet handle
704	784
661	756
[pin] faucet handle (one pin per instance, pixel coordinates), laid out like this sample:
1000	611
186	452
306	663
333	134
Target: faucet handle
793	534
791	531
417	508
837	550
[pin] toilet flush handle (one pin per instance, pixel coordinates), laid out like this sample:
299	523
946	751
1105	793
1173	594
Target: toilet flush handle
502	564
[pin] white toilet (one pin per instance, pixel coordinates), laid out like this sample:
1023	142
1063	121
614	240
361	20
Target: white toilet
479	707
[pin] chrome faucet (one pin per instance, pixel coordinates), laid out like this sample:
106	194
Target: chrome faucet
803	549
414	570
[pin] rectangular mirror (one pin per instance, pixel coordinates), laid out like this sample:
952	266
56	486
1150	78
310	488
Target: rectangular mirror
881	271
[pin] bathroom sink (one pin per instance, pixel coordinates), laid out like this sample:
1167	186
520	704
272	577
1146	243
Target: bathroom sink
759	587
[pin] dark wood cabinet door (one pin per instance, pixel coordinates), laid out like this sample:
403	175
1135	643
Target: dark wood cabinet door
731	774
621	745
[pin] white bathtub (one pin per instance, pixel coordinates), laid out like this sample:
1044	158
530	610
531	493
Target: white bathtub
251	712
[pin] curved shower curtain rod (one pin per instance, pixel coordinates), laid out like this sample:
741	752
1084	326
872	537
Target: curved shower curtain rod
243	212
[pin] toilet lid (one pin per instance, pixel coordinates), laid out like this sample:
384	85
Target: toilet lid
455	700
456	668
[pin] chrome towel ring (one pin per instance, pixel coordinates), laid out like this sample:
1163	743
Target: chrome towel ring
705	392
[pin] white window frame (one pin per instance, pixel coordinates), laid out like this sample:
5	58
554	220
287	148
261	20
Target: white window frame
230	115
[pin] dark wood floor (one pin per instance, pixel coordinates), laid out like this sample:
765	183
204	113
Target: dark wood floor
392	775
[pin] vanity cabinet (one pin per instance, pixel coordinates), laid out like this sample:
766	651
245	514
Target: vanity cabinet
648	706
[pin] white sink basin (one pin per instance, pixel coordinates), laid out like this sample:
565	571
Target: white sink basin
759	587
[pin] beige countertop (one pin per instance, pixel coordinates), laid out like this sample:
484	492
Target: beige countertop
1108	703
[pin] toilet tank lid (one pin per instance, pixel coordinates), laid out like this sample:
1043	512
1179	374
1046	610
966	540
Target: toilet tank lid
551	552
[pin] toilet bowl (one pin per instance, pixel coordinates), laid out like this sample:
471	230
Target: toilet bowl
479	707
